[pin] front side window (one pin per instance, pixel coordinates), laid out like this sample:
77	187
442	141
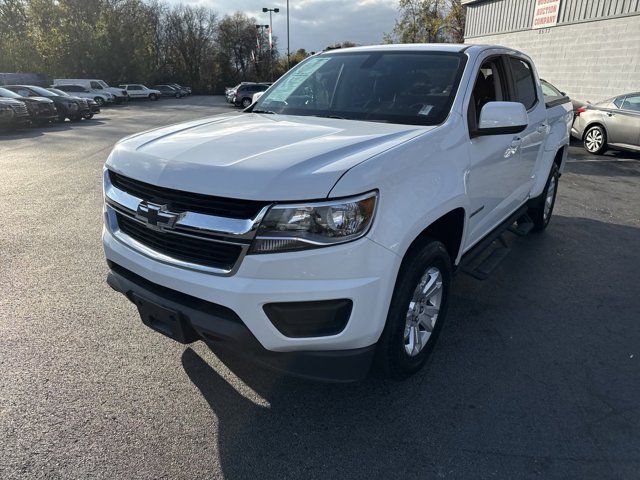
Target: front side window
524	82
96	86
632	103
490	86
396	87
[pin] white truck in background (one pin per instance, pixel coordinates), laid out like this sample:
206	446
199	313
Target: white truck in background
318	232
95	84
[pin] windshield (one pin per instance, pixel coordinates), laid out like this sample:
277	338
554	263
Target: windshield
8	93
396	87
103	84
43	92
59	92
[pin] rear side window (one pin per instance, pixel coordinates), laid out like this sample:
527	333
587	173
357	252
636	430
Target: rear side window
524	82
632	103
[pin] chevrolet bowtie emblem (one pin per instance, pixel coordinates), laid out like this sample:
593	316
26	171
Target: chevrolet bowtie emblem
156	217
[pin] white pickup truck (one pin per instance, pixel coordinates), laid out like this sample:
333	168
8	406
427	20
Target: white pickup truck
318	231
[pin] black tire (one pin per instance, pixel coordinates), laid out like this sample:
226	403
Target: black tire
595	140
392	359
246	102
75	118
99	101
153	96
538	212
88	116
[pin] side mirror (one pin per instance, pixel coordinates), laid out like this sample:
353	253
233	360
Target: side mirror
564	94
500	118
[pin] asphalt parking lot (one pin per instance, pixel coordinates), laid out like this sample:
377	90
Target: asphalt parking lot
536	374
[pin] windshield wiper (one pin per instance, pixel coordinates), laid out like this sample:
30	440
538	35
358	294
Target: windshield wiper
263	111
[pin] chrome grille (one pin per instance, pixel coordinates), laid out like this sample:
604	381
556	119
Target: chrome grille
177	231
20	110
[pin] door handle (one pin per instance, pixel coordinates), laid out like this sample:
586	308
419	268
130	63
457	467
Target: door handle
512	149
543	128
610	114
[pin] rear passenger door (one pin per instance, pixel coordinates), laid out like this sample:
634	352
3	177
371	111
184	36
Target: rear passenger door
623	123
525	90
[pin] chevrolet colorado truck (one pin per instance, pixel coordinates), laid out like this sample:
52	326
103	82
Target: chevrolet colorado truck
318	231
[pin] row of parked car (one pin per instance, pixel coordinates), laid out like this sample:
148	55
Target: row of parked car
73	99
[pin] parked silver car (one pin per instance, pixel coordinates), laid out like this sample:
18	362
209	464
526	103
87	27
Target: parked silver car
612	124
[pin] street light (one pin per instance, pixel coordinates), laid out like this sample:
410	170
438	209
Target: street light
288	47
271	12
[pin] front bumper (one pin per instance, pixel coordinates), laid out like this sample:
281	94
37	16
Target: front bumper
221	328
361	271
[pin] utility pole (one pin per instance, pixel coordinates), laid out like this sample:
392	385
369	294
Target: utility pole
260	36
288	44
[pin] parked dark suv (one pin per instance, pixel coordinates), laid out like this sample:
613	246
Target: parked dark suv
13	114
244	93
66	107
40	109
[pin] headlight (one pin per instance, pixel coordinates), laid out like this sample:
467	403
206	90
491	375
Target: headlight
288	228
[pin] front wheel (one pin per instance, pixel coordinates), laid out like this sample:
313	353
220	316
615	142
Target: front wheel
417	311
595	140
246	102
99	101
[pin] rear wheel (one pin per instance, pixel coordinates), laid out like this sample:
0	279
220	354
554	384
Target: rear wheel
542	209
595	140
153	96
417	311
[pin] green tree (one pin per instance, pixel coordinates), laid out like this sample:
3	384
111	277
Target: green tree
428	21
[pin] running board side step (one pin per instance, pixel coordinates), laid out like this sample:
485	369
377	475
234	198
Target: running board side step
477	263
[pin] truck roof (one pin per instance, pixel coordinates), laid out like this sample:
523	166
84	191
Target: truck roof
425	47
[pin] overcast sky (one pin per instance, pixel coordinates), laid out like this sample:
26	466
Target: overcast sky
316	23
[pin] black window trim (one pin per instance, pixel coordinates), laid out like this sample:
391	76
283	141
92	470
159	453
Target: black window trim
506	84
513	83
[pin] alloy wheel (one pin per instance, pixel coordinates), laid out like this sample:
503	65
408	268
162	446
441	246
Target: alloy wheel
593	140
423	311
548	201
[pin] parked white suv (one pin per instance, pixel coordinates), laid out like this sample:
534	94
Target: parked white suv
321	229
100	97
136	90
94	84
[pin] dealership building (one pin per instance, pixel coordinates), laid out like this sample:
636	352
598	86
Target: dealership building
588	48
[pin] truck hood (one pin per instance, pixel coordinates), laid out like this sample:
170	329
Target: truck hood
255	156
